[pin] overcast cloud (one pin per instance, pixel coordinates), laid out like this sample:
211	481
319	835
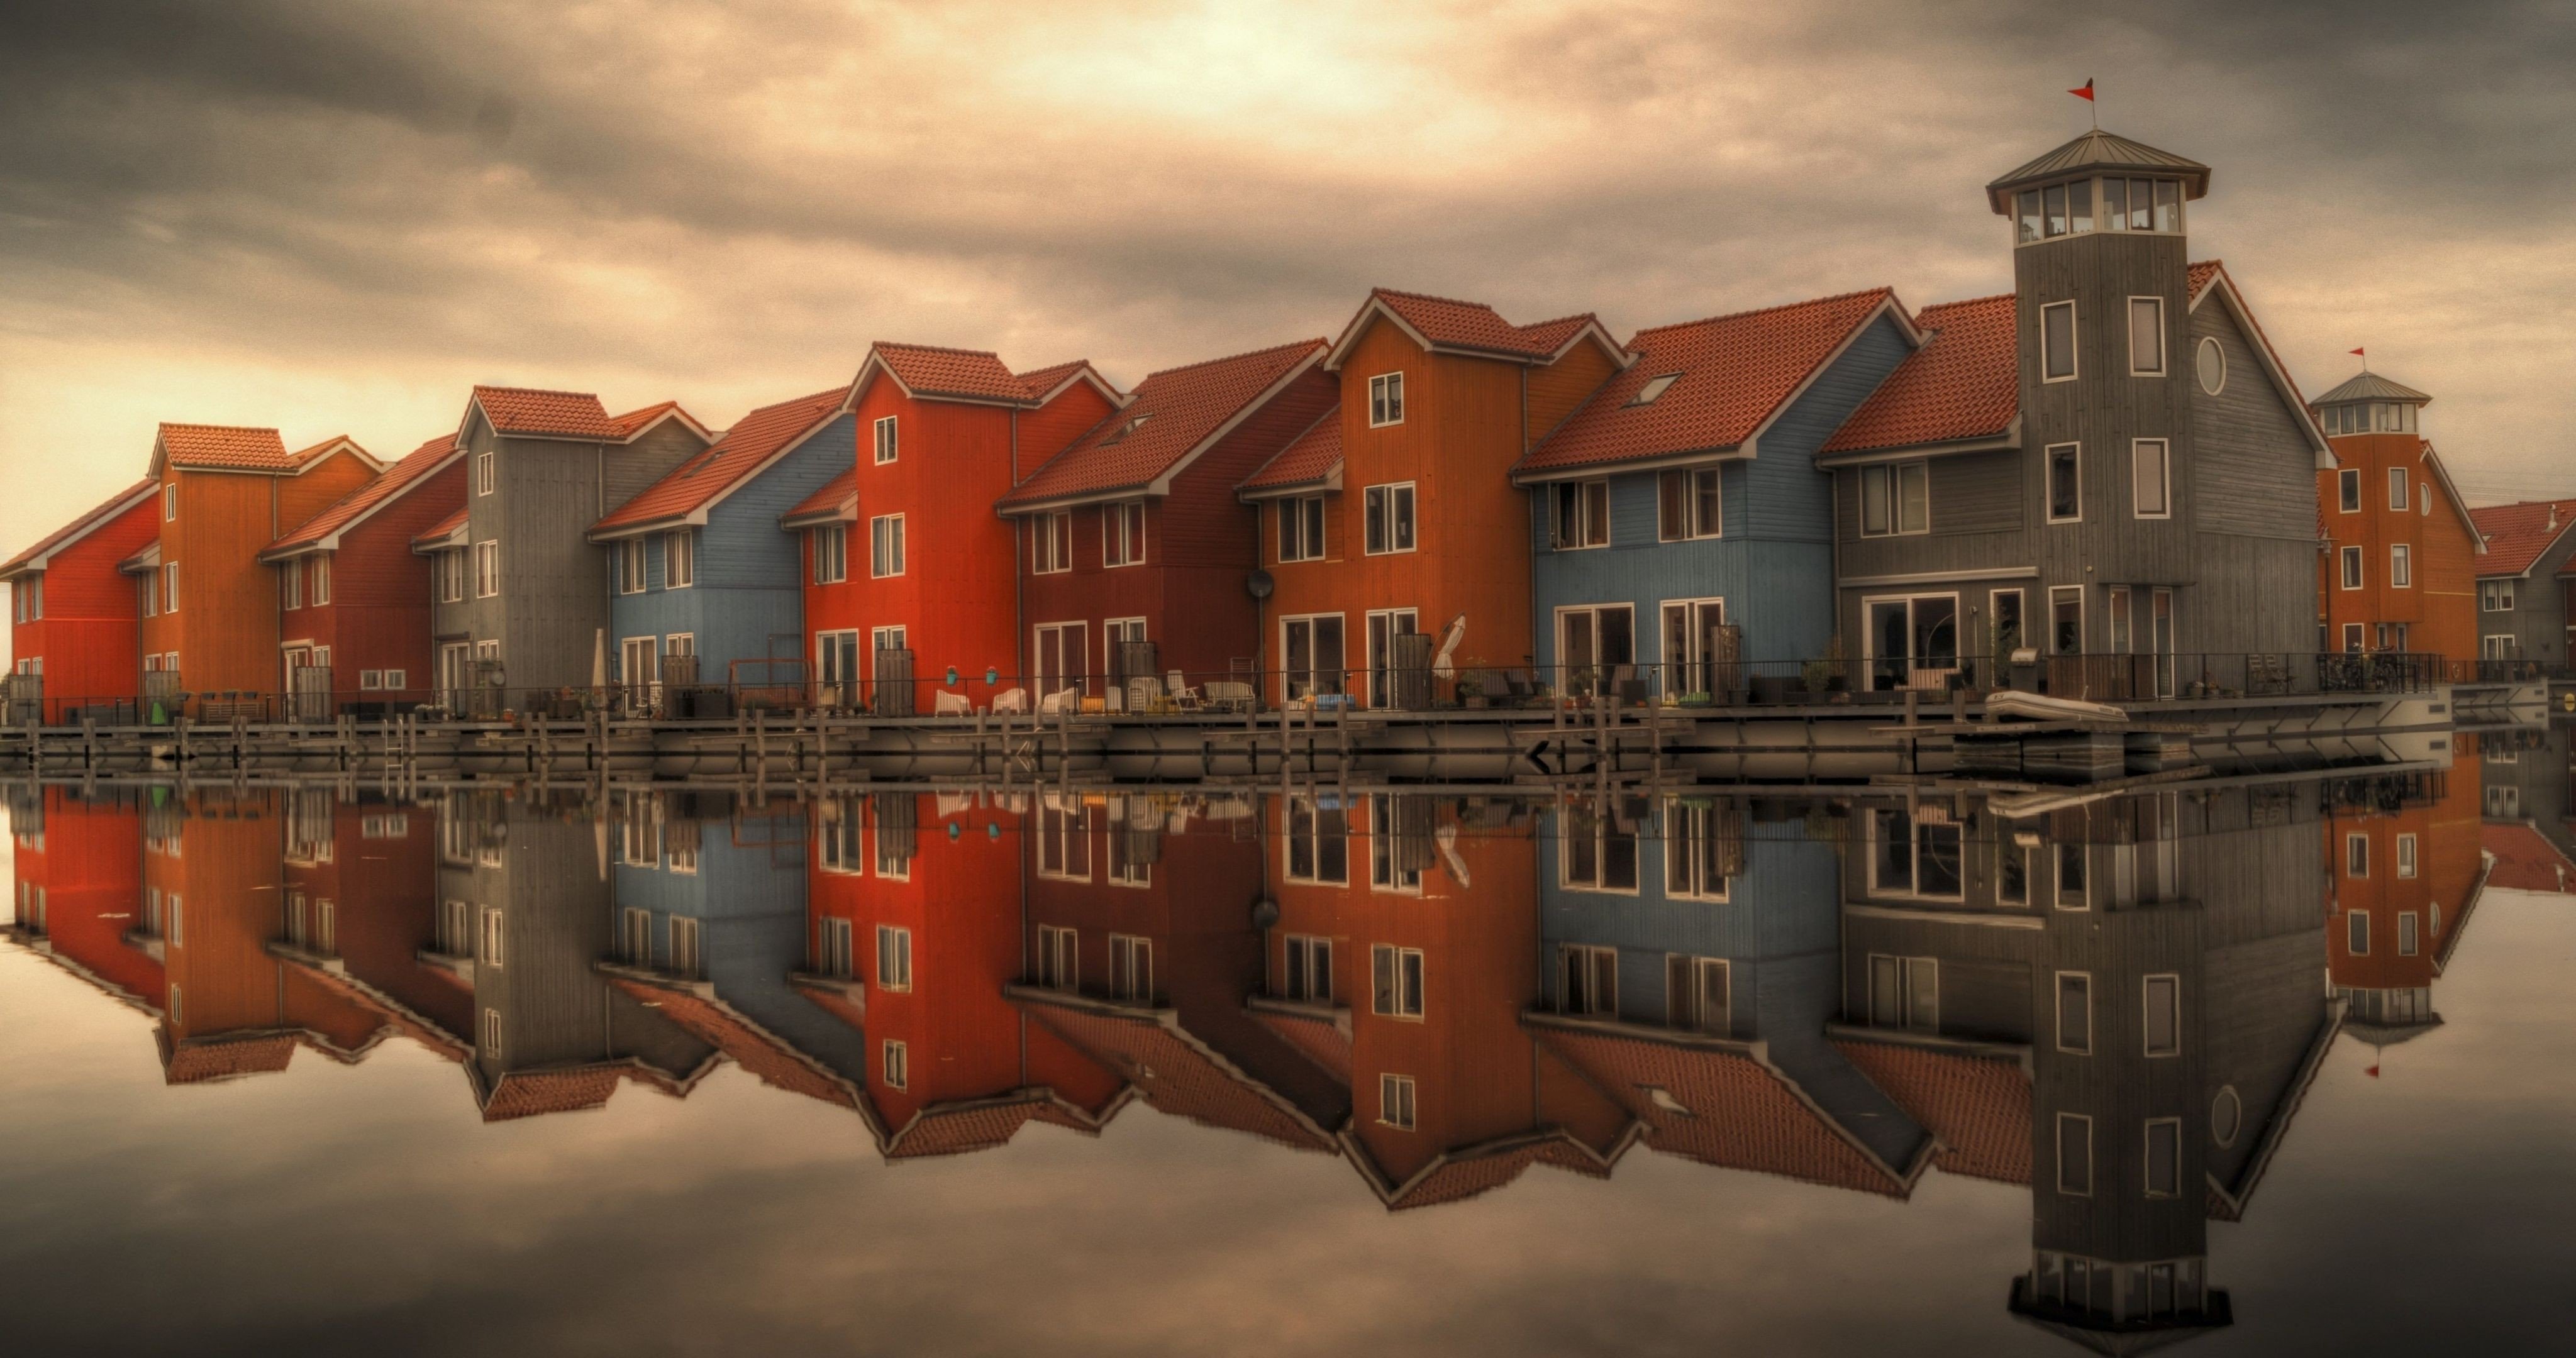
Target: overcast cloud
331	217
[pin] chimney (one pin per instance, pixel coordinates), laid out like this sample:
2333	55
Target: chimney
2553	516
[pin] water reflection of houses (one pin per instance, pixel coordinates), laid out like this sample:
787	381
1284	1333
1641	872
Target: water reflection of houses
2406	866
2529	781
79	891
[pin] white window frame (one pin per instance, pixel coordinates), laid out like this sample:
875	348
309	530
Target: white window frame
885	543
1131	968
2398	495
679	559
2209	345
1583	496
1122	534
894	955
1889	480
2401	565
894	1062
2147	1158
2048	482
320	587
2163	362
290	585
486	472
1386	400
2351	570
1051	542
1295	509
2138	484
2147	1014
2074	363
2410	936
2495	596
1686	482
2348	491
632	569
1398	1101
884	435
1310	979
1380	519
487	569
2356	855
169	502
2406	857
2057	1014
2057	1151
169	587
2356	932
830	546
1418	998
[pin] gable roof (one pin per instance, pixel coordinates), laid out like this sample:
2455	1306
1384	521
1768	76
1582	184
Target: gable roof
219	447
1448	325
528	411
930	372
752	445
837	500
1963	383
2210	278
2518	535
1171	418
2440	471
323	530
1043	384
1313	458
2370	386
1977	1106
1472	1171
453	526
634	423
36	555
1170	1068
1733	375
2098	150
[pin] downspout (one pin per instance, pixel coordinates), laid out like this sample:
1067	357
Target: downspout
1019	659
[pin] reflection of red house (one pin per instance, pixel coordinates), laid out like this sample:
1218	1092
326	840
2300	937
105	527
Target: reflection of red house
79	891
921	561
72	613
359	906
351	587
2403	886
1134	533
2525	860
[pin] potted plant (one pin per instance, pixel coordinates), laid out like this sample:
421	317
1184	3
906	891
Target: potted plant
1825	674
1471	691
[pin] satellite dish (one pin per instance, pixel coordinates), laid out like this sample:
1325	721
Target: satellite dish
1259	584
1265	912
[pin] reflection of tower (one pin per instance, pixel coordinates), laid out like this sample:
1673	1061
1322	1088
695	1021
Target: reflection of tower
2406	872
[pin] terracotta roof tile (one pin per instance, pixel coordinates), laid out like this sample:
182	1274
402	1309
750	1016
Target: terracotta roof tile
2525	860
2201	274
1965	382
1170	414
1734	374
1456	324
302	456
1316	1038
1978	1107
397	479
567	414
1469	1176
101	513
204	1060
632	422
446	527
765	1055
962	1129
827	501
1310	457
1037	384
1177	1075
227	447
970	374
2518	534
726	463
564	1089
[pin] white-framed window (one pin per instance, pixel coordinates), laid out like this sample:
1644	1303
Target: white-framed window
1914	858
491	1031
1318	843
1895	499
894	957
1688	503
1301	528
1064	842
1051	542
488	951
2164	1158
1312	655
1131	968
290	585
170	587
2397	492
2164	1014
897	1064
1695	856
2075	1155
679	559
831	553
370	680
1059	958
2075	1013
2408	939
1306	969
885	444
1698	995
1395	981
169	502
1389	512
885	546
2348	491
2213	366
451	577
486	475
2406	847
684	946
1582	516
1122	533
2057	342
2352	567
2146	337
2352	643
2356	855
1395	1106
630	566
1383	626
487	569
2401	566
1595	852
1654	387
1587	980
321	570
2151	478
2356	925
832	948
1387	870
1386	400
2495	596
1905	992
2065	483
178	934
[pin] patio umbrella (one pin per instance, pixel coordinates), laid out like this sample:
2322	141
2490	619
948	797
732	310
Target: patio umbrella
1449	638
599	657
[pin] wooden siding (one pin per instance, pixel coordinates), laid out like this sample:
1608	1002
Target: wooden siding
88	638
381	590
2260	472
1559	389
1042	433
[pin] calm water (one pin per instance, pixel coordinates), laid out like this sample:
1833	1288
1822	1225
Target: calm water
966	1073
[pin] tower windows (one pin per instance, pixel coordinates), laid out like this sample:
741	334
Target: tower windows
2146	337
2068	209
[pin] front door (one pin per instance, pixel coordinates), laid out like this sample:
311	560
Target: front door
1595	644
1311	654
836	666
1692	648
1384	626
1913	641
640	663
1061	656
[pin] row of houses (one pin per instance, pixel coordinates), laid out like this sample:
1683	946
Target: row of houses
2108	461
2118	1015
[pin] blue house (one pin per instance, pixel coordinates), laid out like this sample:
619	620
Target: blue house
1683	498
698	571
1691	964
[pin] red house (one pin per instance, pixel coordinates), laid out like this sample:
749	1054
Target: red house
350	586
903	552
72	615
79	890
1135	534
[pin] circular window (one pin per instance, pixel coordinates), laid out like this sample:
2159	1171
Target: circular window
2213	367
2226	1116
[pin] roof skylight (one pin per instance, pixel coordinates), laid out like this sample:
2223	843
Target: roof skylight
1655	386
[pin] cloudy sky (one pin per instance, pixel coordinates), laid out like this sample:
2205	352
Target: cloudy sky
332	217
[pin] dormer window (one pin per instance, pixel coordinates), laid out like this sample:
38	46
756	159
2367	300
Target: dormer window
2068	209
1655	386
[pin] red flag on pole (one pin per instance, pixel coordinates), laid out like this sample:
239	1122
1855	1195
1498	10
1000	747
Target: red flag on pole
2357	351
2086	93
2372	1072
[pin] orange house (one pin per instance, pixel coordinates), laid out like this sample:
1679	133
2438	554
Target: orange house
209	605
71	614
2400	570
903	552
1401	513
2403	885
79	889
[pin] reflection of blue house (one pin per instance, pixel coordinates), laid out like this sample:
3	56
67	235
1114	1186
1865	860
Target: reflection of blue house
1683	496
1690	969
696	564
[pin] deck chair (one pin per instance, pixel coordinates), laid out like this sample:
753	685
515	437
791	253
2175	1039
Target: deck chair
1011	700
947	704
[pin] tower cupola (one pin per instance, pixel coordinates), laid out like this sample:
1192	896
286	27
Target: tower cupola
2371	404
2098	182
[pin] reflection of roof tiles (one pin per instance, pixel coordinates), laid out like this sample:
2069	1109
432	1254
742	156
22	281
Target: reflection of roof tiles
752	441
1977	1106
223	446
973	374
1734	374
205	1060
1315	1037
1177	1074
114	504
1452	323
394	1015
1310	457
766	1056
2525	860
400	477
962	1129
1170	414
1965	382
2518	534
522	410
1472	1171
534	1093
1735	1112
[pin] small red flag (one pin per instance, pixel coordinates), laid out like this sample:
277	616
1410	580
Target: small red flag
2086	93
2372	1072
2357	351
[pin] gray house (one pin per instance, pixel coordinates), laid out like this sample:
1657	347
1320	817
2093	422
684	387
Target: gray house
2108	463
2527	583
542	467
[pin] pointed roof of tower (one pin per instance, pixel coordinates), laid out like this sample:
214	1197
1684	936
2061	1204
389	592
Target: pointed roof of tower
2370	386
2099	150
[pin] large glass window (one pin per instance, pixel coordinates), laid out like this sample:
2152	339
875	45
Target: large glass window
1389	511
2057	341
1911	857
1687	504
1582	515
1895	498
